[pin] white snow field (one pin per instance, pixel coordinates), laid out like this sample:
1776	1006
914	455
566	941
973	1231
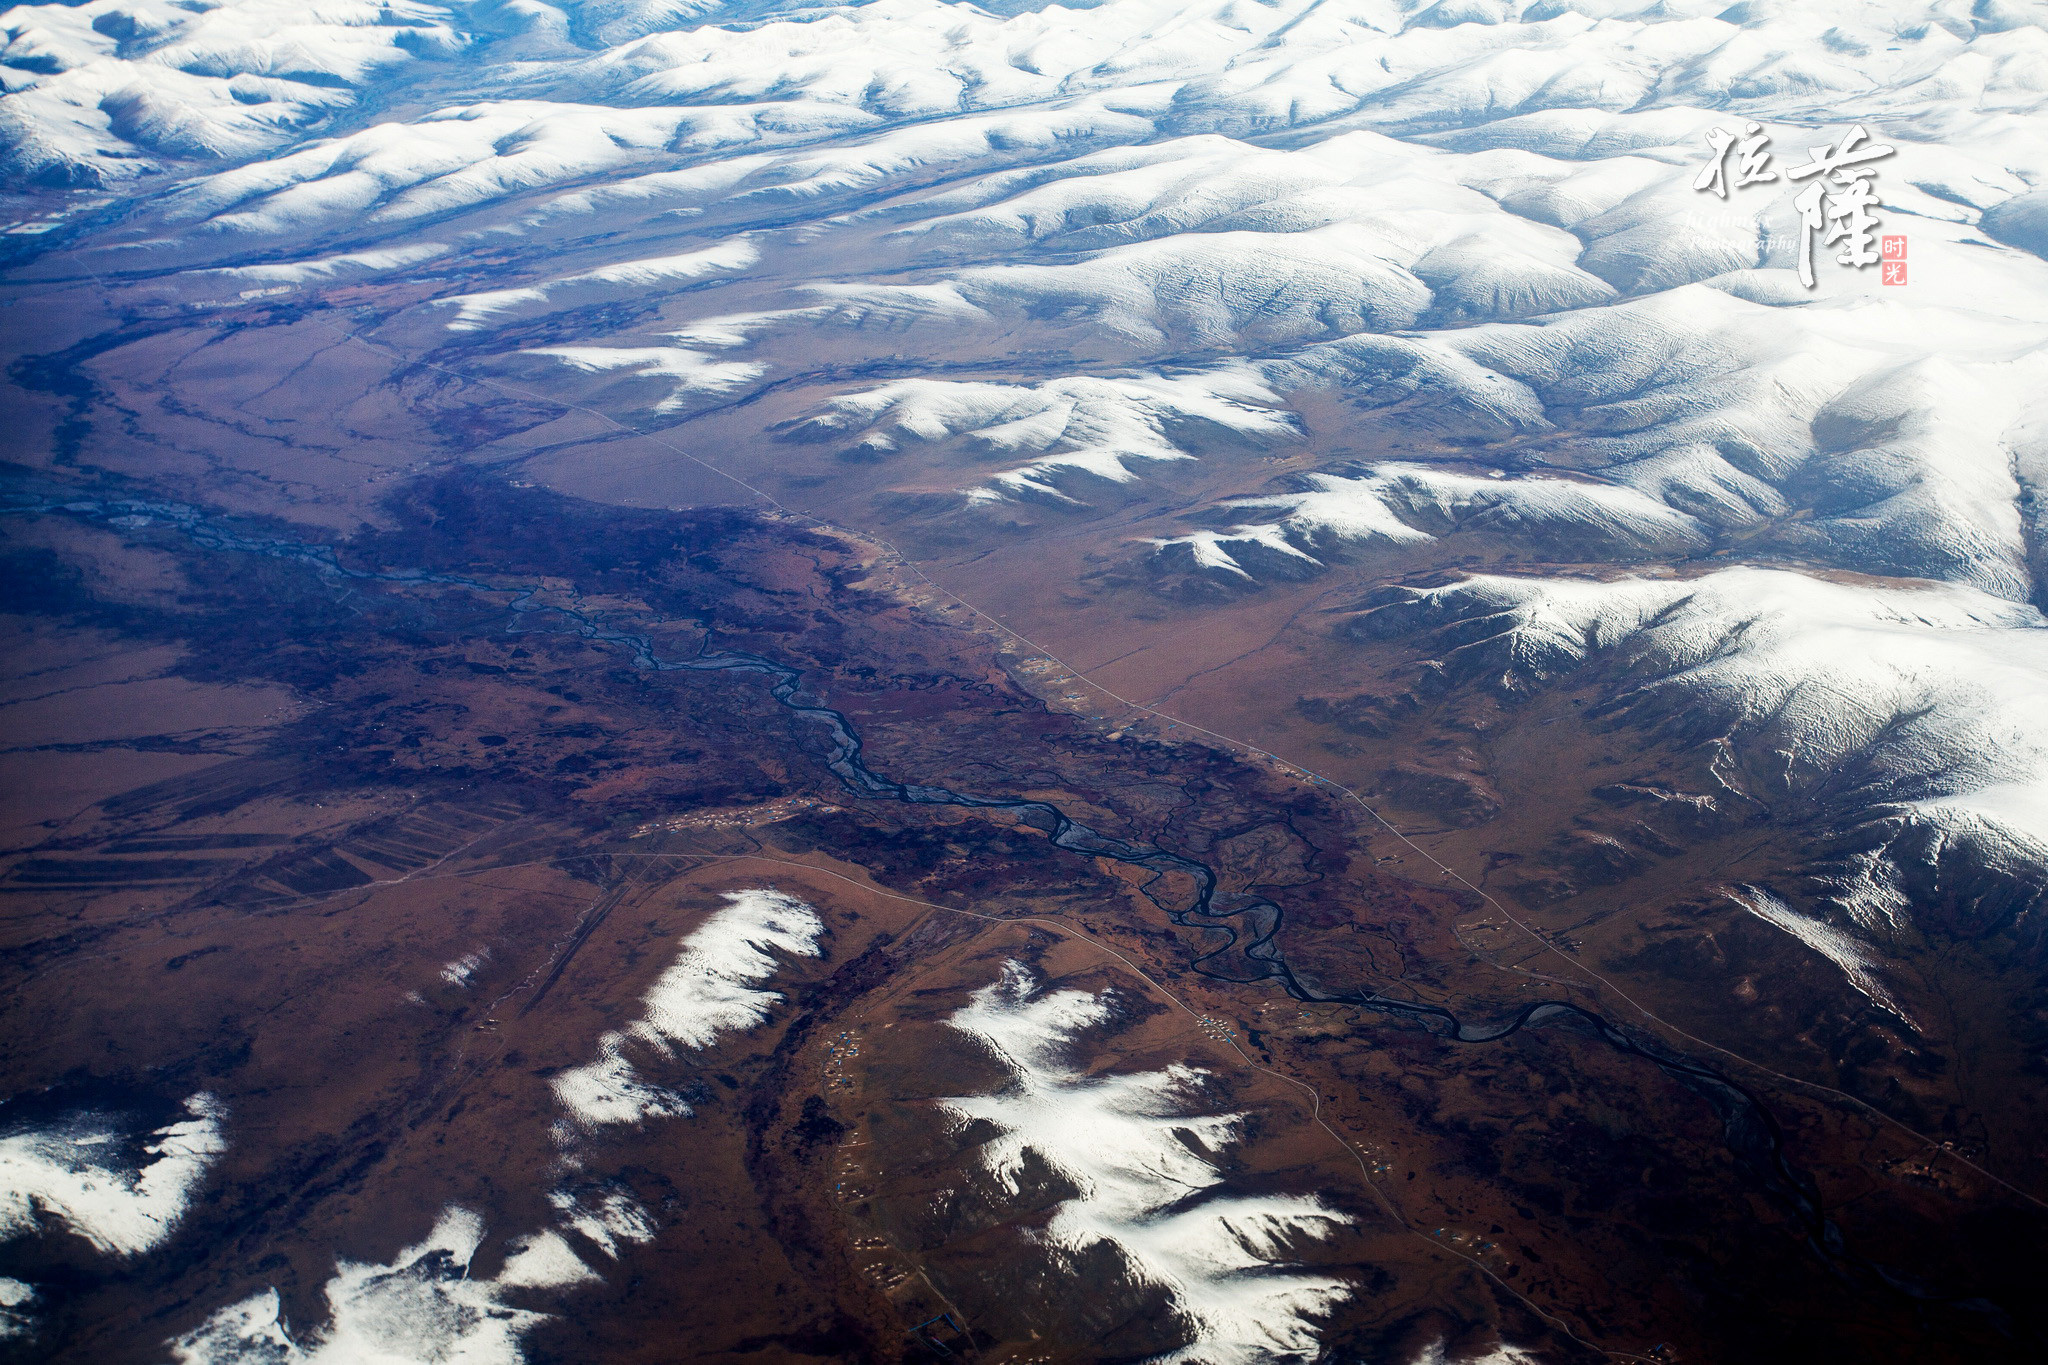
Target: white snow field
88	1174
1145	1163
121	1192
423	1306
17	1299
711	989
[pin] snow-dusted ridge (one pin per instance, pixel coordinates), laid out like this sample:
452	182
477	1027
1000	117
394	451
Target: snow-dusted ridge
1396	503
711	989
626	280
1860	965
104	91
425	1304
1135	1146
122	1193
1912	711
1041	436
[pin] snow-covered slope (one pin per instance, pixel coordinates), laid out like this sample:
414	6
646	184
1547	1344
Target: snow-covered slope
1471	223
711	989
424	1305
1146	1164
121	1193
88	1174
1910	718
108	90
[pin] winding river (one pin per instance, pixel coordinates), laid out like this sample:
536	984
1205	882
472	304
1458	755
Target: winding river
1248	954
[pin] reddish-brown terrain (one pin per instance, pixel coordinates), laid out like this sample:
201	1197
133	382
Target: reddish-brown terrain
260	844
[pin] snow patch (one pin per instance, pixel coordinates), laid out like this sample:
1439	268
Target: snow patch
656	379
626	281
544	1260
424	1306
1148	1184
614	1218
15	1319
609	1090
1503	1354
1854	958
80	1174
711	989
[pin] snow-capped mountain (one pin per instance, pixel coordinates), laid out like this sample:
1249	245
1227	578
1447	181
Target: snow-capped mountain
1443	265
1202	303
